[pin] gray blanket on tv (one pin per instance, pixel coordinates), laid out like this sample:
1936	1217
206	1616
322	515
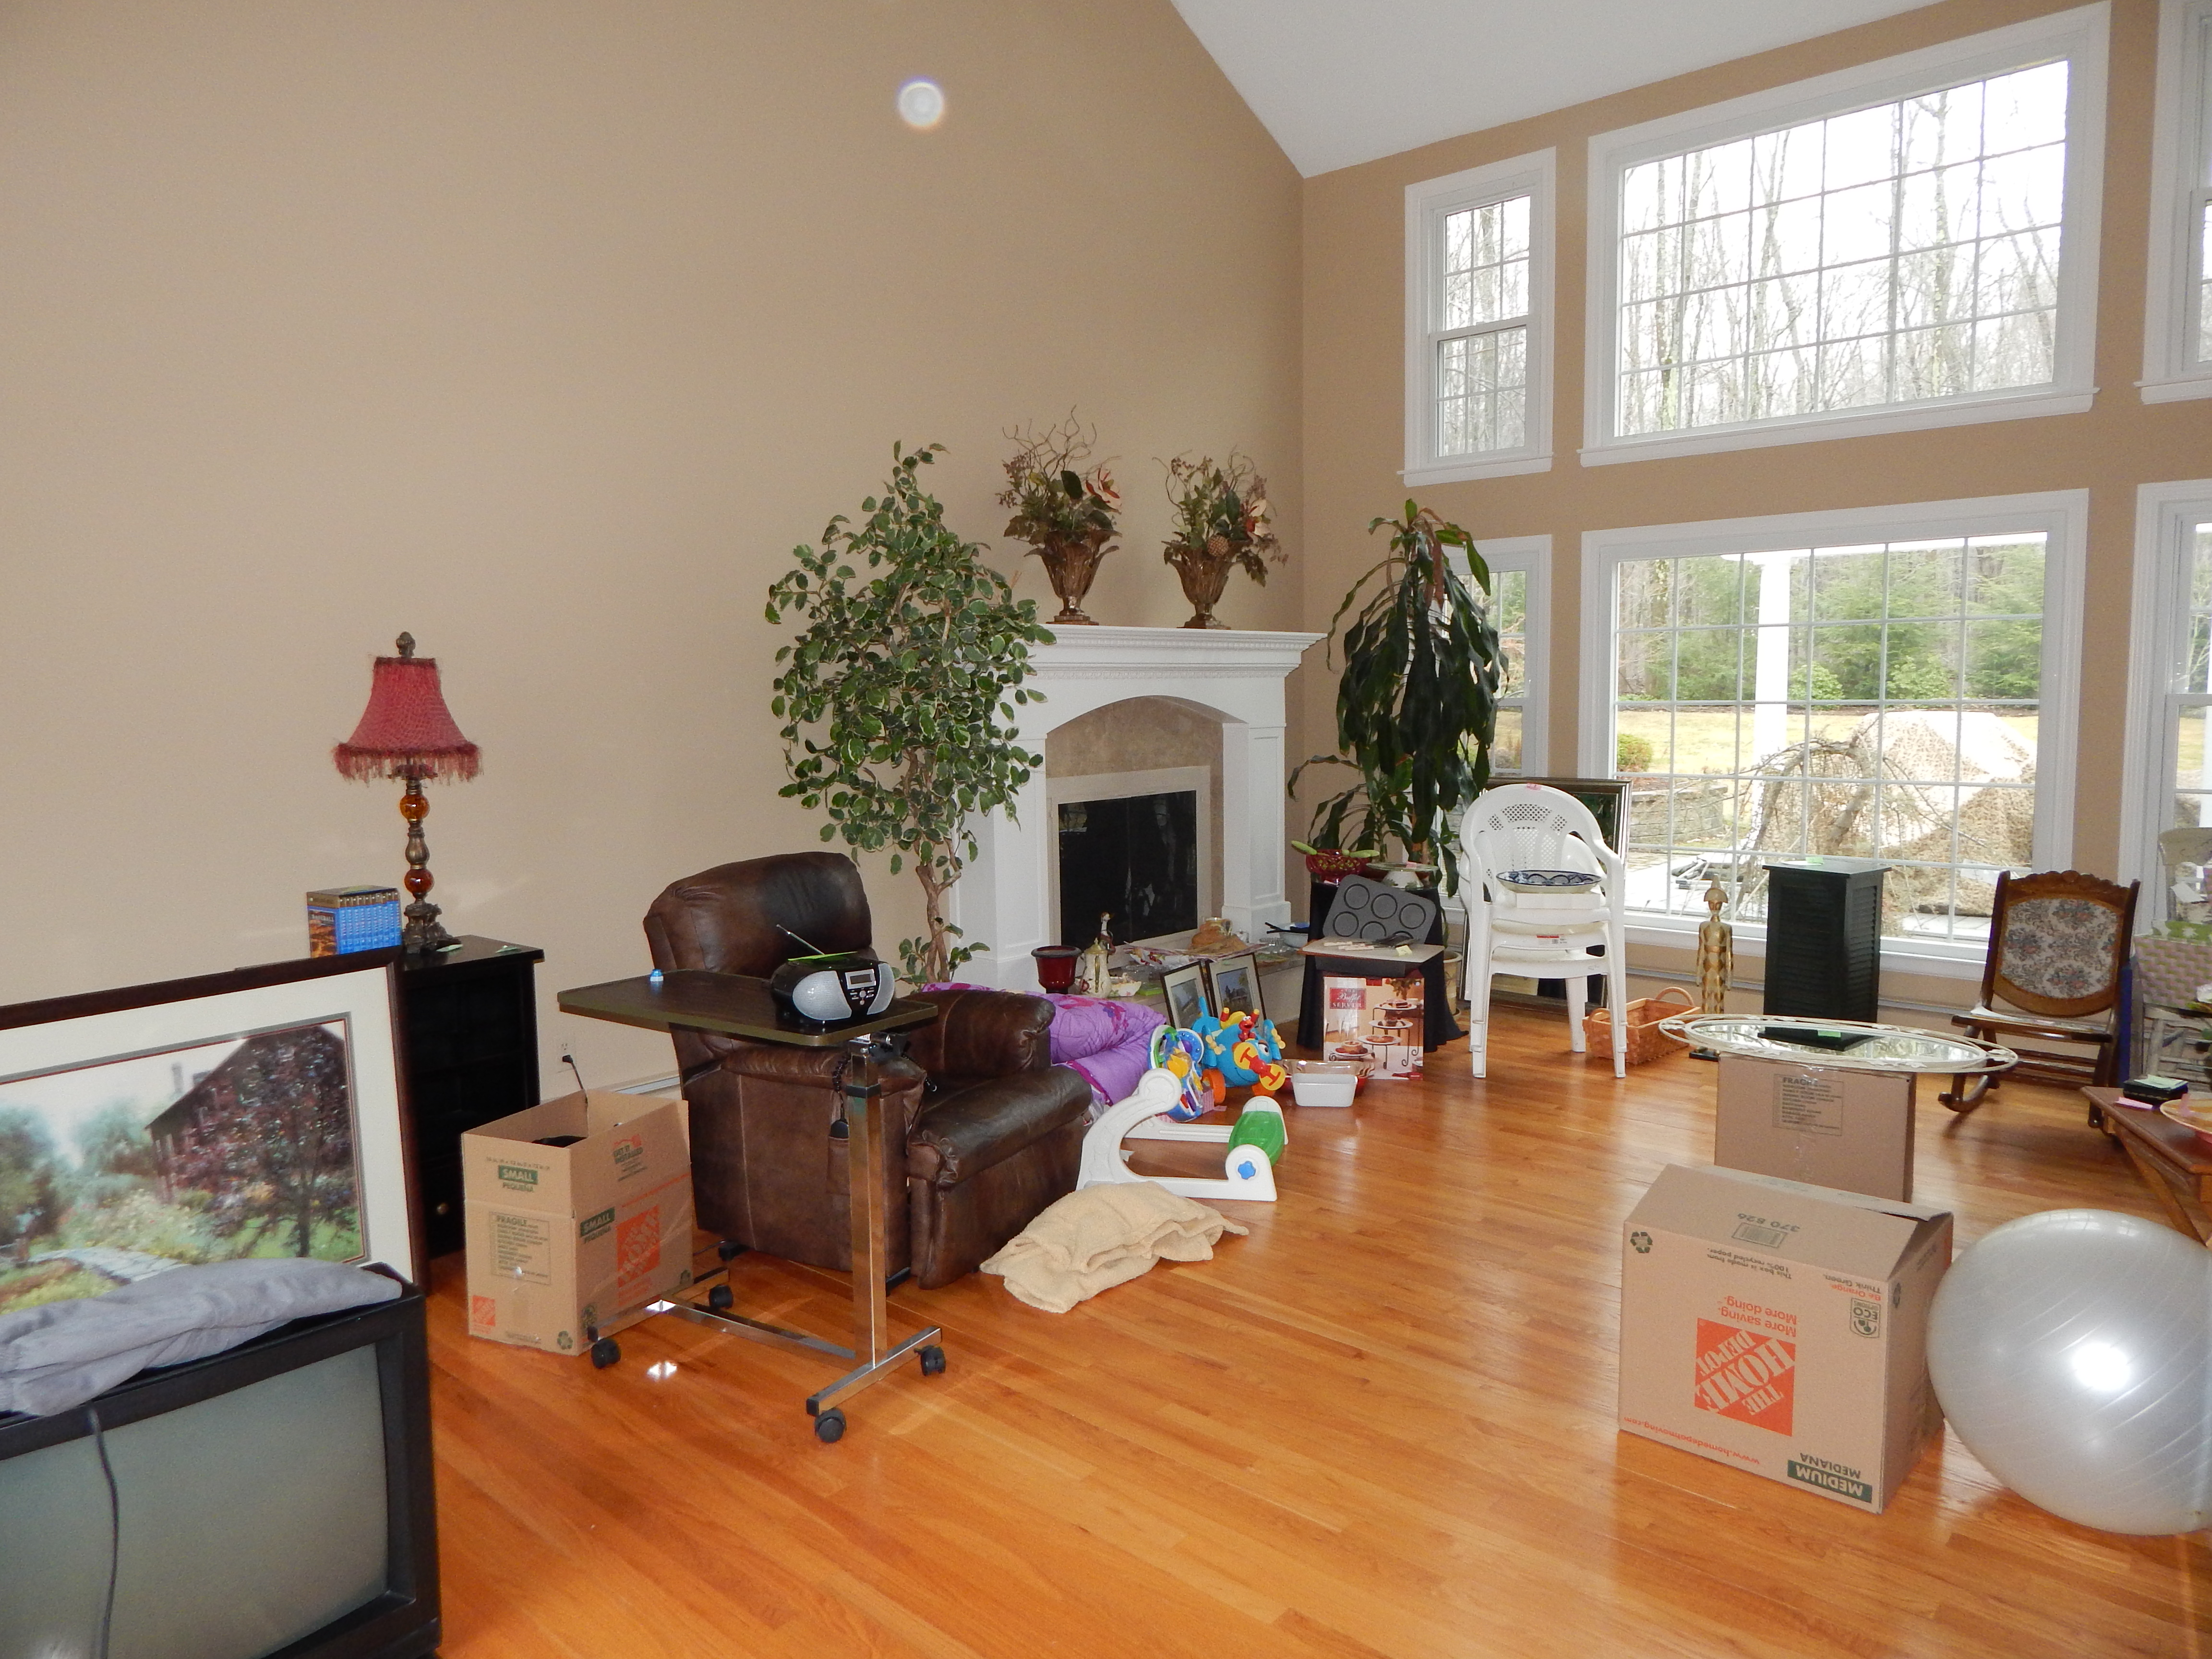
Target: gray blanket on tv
60	1355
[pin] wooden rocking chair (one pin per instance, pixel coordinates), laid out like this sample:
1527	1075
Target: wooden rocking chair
2057	941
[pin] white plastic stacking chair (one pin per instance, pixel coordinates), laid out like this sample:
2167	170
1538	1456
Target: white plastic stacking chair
1527	826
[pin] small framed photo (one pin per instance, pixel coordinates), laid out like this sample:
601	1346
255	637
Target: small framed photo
1185	988
254	1113
1235	983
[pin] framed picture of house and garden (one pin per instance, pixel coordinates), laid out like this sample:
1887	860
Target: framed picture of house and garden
256	1113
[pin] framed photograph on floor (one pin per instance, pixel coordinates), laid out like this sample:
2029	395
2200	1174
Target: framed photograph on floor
255	1113
1235	985
1185	990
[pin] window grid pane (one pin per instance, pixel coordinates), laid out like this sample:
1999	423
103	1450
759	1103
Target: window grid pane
1482	391
2205	282
2190	806
1872	701
1482	376
1891	255
1507	606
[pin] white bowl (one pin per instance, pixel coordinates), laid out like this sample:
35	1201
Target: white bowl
1530	881
1324	1082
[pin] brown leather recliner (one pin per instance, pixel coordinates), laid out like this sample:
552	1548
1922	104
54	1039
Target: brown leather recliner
992	1130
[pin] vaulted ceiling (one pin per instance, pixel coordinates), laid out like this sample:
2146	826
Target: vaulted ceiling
1342	81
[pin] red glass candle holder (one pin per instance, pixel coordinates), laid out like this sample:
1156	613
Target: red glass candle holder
1055	966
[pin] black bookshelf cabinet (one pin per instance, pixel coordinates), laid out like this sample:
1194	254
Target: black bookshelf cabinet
469	1019
1823	938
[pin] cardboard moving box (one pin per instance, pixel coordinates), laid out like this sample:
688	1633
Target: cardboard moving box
1828	1125
564	1239
1782	1329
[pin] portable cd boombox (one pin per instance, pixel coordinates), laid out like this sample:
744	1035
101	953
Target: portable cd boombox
833	987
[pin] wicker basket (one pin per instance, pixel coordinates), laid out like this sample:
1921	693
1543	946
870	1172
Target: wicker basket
1646	1040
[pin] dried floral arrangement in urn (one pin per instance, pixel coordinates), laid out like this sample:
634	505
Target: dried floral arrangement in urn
1222	520
1065	511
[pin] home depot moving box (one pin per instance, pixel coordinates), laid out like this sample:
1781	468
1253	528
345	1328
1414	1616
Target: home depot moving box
1782	1329
563	1239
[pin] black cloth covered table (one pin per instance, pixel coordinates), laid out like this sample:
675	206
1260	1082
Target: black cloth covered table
1437	1025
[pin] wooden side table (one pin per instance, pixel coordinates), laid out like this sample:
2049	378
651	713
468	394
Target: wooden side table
2173	1160
731	1004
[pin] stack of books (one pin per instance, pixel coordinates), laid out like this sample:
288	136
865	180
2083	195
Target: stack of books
343	919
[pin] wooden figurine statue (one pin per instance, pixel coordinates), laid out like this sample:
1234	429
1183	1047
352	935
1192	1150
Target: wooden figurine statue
1716	953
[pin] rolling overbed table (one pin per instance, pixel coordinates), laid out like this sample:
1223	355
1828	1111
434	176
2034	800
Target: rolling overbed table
732	1005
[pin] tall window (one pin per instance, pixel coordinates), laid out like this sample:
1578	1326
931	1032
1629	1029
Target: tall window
1478	303
2178	319
1509	610
1879	695
1482	330
2189	690
1519	607
2168	767
1894	254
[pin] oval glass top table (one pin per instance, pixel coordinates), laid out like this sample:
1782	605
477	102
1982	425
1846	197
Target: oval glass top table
1826	1102
1854	1045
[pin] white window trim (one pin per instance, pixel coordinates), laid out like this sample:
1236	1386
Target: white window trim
2062	516
2178	147
2165	513
1426	204
2079	34
1533	555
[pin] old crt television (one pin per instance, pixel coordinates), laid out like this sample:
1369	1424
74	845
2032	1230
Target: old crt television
273	1500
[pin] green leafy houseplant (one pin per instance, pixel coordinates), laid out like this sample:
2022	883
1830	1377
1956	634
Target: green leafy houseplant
1064	511
1417	706
1222	521
898	694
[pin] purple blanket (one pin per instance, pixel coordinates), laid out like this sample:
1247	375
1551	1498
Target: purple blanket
1108	1040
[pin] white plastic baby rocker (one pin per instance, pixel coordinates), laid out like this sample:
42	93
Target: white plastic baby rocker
1248	1165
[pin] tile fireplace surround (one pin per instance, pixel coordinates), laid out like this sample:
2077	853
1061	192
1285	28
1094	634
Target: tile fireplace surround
1233	675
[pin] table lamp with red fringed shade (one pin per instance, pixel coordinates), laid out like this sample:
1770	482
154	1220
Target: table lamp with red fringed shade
407	733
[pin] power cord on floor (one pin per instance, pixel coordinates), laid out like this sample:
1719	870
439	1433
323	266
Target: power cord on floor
114	1533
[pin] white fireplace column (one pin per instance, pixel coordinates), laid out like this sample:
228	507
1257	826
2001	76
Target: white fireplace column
1004	899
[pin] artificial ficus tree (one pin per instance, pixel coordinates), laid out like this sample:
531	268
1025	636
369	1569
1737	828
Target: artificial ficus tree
898	694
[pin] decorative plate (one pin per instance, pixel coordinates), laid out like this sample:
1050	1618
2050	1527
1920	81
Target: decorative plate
1548	881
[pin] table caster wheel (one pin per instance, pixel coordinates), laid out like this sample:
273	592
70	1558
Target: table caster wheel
829	1426
729	1249
604	1352
933	1360
720	1298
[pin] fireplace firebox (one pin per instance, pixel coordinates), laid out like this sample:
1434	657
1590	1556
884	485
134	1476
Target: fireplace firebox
1136	857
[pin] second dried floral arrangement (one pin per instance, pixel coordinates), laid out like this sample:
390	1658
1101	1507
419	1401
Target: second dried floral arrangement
1065	511
1221	522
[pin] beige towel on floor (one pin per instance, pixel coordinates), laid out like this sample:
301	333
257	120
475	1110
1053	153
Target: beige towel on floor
1103	1236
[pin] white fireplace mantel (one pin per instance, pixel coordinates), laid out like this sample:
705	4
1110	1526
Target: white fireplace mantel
1234	676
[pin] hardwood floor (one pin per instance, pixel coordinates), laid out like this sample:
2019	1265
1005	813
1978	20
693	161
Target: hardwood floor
1381	1424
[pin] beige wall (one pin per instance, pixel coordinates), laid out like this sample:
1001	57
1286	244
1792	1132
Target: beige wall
543	330
1354	349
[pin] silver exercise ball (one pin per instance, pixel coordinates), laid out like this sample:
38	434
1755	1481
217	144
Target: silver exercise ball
2070	1351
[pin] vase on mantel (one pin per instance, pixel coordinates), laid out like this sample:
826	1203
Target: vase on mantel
1070	566
1204	574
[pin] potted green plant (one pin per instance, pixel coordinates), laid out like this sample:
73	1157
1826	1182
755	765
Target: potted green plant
1417	704
898	693
1221	522
1066	511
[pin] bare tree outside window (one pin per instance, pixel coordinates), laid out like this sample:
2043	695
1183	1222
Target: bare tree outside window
1875	701
1482	342
1892	255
